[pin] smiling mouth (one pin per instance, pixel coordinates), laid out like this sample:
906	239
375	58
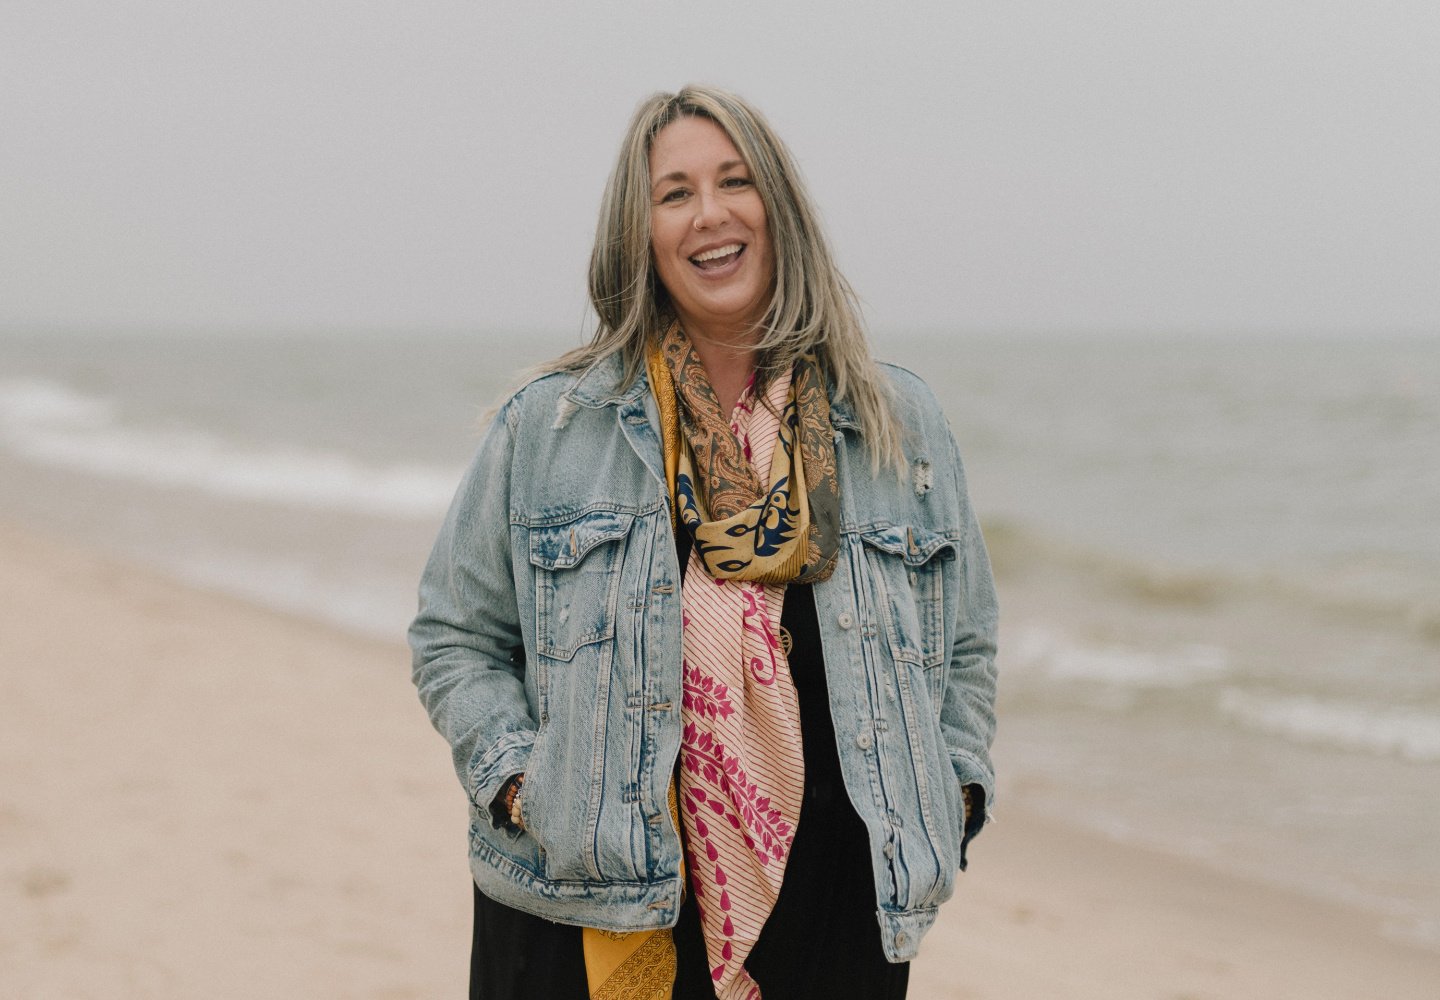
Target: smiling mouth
718	257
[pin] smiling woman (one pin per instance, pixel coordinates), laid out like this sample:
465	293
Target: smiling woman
710	241
716	671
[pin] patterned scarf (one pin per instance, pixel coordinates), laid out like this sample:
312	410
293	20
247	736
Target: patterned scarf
783	530
742	770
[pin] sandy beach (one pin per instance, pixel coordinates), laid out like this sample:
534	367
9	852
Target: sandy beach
204	798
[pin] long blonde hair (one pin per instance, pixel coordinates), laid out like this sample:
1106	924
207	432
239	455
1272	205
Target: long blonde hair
813	308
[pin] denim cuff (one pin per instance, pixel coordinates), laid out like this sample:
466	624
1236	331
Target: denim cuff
508	756
976	776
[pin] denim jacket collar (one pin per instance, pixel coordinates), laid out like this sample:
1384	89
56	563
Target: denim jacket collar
599	385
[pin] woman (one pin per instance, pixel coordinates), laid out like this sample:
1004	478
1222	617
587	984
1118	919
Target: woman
712	590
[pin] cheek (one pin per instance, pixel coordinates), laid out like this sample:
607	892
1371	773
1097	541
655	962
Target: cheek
664	264
666	235
665	247
762	236
768	255
662	258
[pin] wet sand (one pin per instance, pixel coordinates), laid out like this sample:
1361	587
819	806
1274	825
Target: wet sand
203	798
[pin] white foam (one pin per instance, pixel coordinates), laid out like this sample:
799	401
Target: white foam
1408	733
375	606
52	424
1062	657
36	402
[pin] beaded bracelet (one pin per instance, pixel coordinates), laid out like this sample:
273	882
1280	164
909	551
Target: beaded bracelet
512	800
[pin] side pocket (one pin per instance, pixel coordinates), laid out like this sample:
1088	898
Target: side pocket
559	802
504	849
908	564
932	871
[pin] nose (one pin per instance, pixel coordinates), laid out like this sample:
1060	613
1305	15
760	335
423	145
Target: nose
710	211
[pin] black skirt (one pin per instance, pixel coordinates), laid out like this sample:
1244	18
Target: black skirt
822	938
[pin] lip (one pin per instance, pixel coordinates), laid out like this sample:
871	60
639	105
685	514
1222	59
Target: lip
724	271
714	245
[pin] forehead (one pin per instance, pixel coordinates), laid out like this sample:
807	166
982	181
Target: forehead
688	145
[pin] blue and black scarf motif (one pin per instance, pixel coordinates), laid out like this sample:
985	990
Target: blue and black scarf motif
786	531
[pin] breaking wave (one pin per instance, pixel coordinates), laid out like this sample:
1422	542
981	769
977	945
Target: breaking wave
51	424
1412	734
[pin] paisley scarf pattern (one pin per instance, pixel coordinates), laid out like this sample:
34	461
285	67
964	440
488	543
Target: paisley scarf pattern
742	768
782	530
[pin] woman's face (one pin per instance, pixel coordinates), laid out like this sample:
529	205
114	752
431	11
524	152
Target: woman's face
708	230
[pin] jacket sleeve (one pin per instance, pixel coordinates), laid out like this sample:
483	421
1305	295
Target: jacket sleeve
468	655
967	716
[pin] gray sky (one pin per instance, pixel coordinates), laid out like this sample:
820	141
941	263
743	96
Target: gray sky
1141	165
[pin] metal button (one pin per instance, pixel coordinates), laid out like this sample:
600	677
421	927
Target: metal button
912	578
863	741
901	939
845	620
888	850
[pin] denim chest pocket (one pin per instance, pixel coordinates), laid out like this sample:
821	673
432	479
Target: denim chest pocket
577	580
909	562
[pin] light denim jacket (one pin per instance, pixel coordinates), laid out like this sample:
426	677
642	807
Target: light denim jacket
548	642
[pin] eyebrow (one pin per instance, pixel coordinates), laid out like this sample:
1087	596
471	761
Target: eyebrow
680	175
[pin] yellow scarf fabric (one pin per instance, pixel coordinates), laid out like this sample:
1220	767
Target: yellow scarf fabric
783	530
742	773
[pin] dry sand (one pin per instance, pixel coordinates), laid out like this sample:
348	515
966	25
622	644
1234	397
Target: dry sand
204	799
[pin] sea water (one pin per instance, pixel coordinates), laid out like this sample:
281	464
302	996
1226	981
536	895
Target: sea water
1219	559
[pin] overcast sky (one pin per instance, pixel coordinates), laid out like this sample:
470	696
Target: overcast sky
1137	165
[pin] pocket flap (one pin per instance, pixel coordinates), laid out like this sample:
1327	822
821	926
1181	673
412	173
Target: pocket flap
562	546
914	544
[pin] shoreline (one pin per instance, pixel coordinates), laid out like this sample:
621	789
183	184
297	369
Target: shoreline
207	797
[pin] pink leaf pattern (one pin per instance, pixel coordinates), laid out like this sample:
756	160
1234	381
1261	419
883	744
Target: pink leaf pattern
742	772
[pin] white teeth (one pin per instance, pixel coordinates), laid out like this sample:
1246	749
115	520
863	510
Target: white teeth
717	252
